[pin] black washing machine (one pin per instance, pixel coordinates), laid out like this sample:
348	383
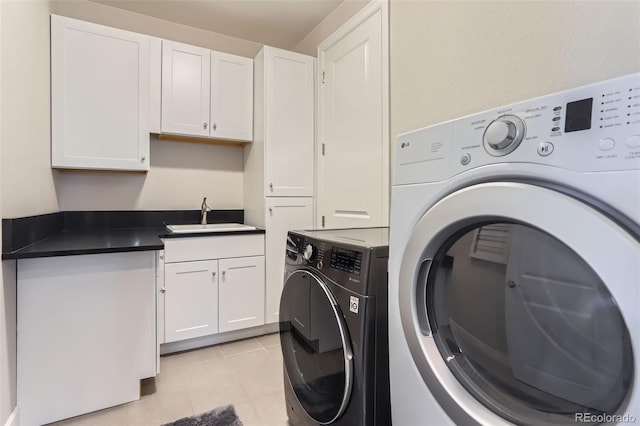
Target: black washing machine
333	327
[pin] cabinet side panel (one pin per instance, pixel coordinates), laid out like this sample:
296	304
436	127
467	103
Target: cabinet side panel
86	333
254	153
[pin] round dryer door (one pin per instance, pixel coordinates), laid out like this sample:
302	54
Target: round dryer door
315	346
522	297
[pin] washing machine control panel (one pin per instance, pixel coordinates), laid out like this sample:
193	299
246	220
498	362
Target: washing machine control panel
346	265
588	129
346	260
310	252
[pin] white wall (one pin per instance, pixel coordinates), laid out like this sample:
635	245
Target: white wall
181	173
8	330
27	178
450	59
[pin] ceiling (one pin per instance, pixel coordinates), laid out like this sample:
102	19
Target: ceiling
279	23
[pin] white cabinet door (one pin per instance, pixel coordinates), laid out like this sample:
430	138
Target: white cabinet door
282	216
241	293
231	97
191	300
186	80
353	165
288	125
99	97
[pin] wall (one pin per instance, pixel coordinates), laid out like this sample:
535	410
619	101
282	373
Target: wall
182	173
131	21
450	59
27	178
12	116
333	21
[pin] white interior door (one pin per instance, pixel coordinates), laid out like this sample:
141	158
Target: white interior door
353	160
283	215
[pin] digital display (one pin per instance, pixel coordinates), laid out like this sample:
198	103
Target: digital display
578	115
346	260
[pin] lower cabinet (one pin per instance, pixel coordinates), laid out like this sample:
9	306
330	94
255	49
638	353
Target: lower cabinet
86	333
241	292
204	296
191	300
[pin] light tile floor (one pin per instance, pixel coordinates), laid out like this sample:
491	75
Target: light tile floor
246	373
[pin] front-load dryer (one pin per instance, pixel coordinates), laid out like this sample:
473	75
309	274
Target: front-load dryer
333	327
514	280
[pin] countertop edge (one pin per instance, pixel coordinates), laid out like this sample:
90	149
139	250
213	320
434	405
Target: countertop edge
76	252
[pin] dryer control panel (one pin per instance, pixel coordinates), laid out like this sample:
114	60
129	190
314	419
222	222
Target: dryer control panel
588	129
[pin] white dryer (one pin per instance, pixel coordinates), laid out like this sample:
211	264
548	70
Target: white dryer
514	272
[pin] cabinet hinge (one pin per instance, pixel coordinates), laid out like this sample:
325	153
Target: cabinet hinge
323	77
323	148
323	221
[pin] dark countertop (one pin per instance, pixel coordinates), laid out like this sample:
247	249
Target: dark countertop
94	241
91	232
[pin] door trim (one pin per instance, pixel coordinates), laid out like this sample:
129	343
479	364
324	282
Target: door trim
360	17
613	256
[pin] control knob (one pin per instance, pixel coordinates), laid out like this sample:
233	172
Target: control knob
309	252
503	135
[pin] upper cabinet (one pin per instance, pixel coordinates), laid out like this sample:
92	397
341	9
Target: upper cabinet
186	79
99	97
206	93
231	97
111	88
284	114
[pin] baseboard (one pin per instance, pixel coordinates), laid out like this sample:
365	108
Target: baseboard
214	339
14	418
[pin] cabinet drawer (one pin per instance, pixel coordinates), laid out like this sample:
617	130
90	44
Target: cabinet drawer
218	247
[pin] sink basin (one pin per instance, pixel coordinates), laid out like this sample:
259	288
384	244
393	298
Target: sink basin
211	227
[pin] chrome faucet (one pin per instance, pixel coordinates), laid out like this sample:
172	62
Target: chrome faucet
205	209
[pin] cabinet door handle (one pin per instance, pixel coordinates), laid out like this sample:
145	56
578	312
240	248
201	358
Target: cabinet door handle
191	272
205	126
271	210
271	186
213	274
224	273
215	126
163	290
142	159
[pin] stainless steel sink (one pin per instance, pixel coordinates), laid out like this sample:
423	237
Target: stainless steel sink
212	228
